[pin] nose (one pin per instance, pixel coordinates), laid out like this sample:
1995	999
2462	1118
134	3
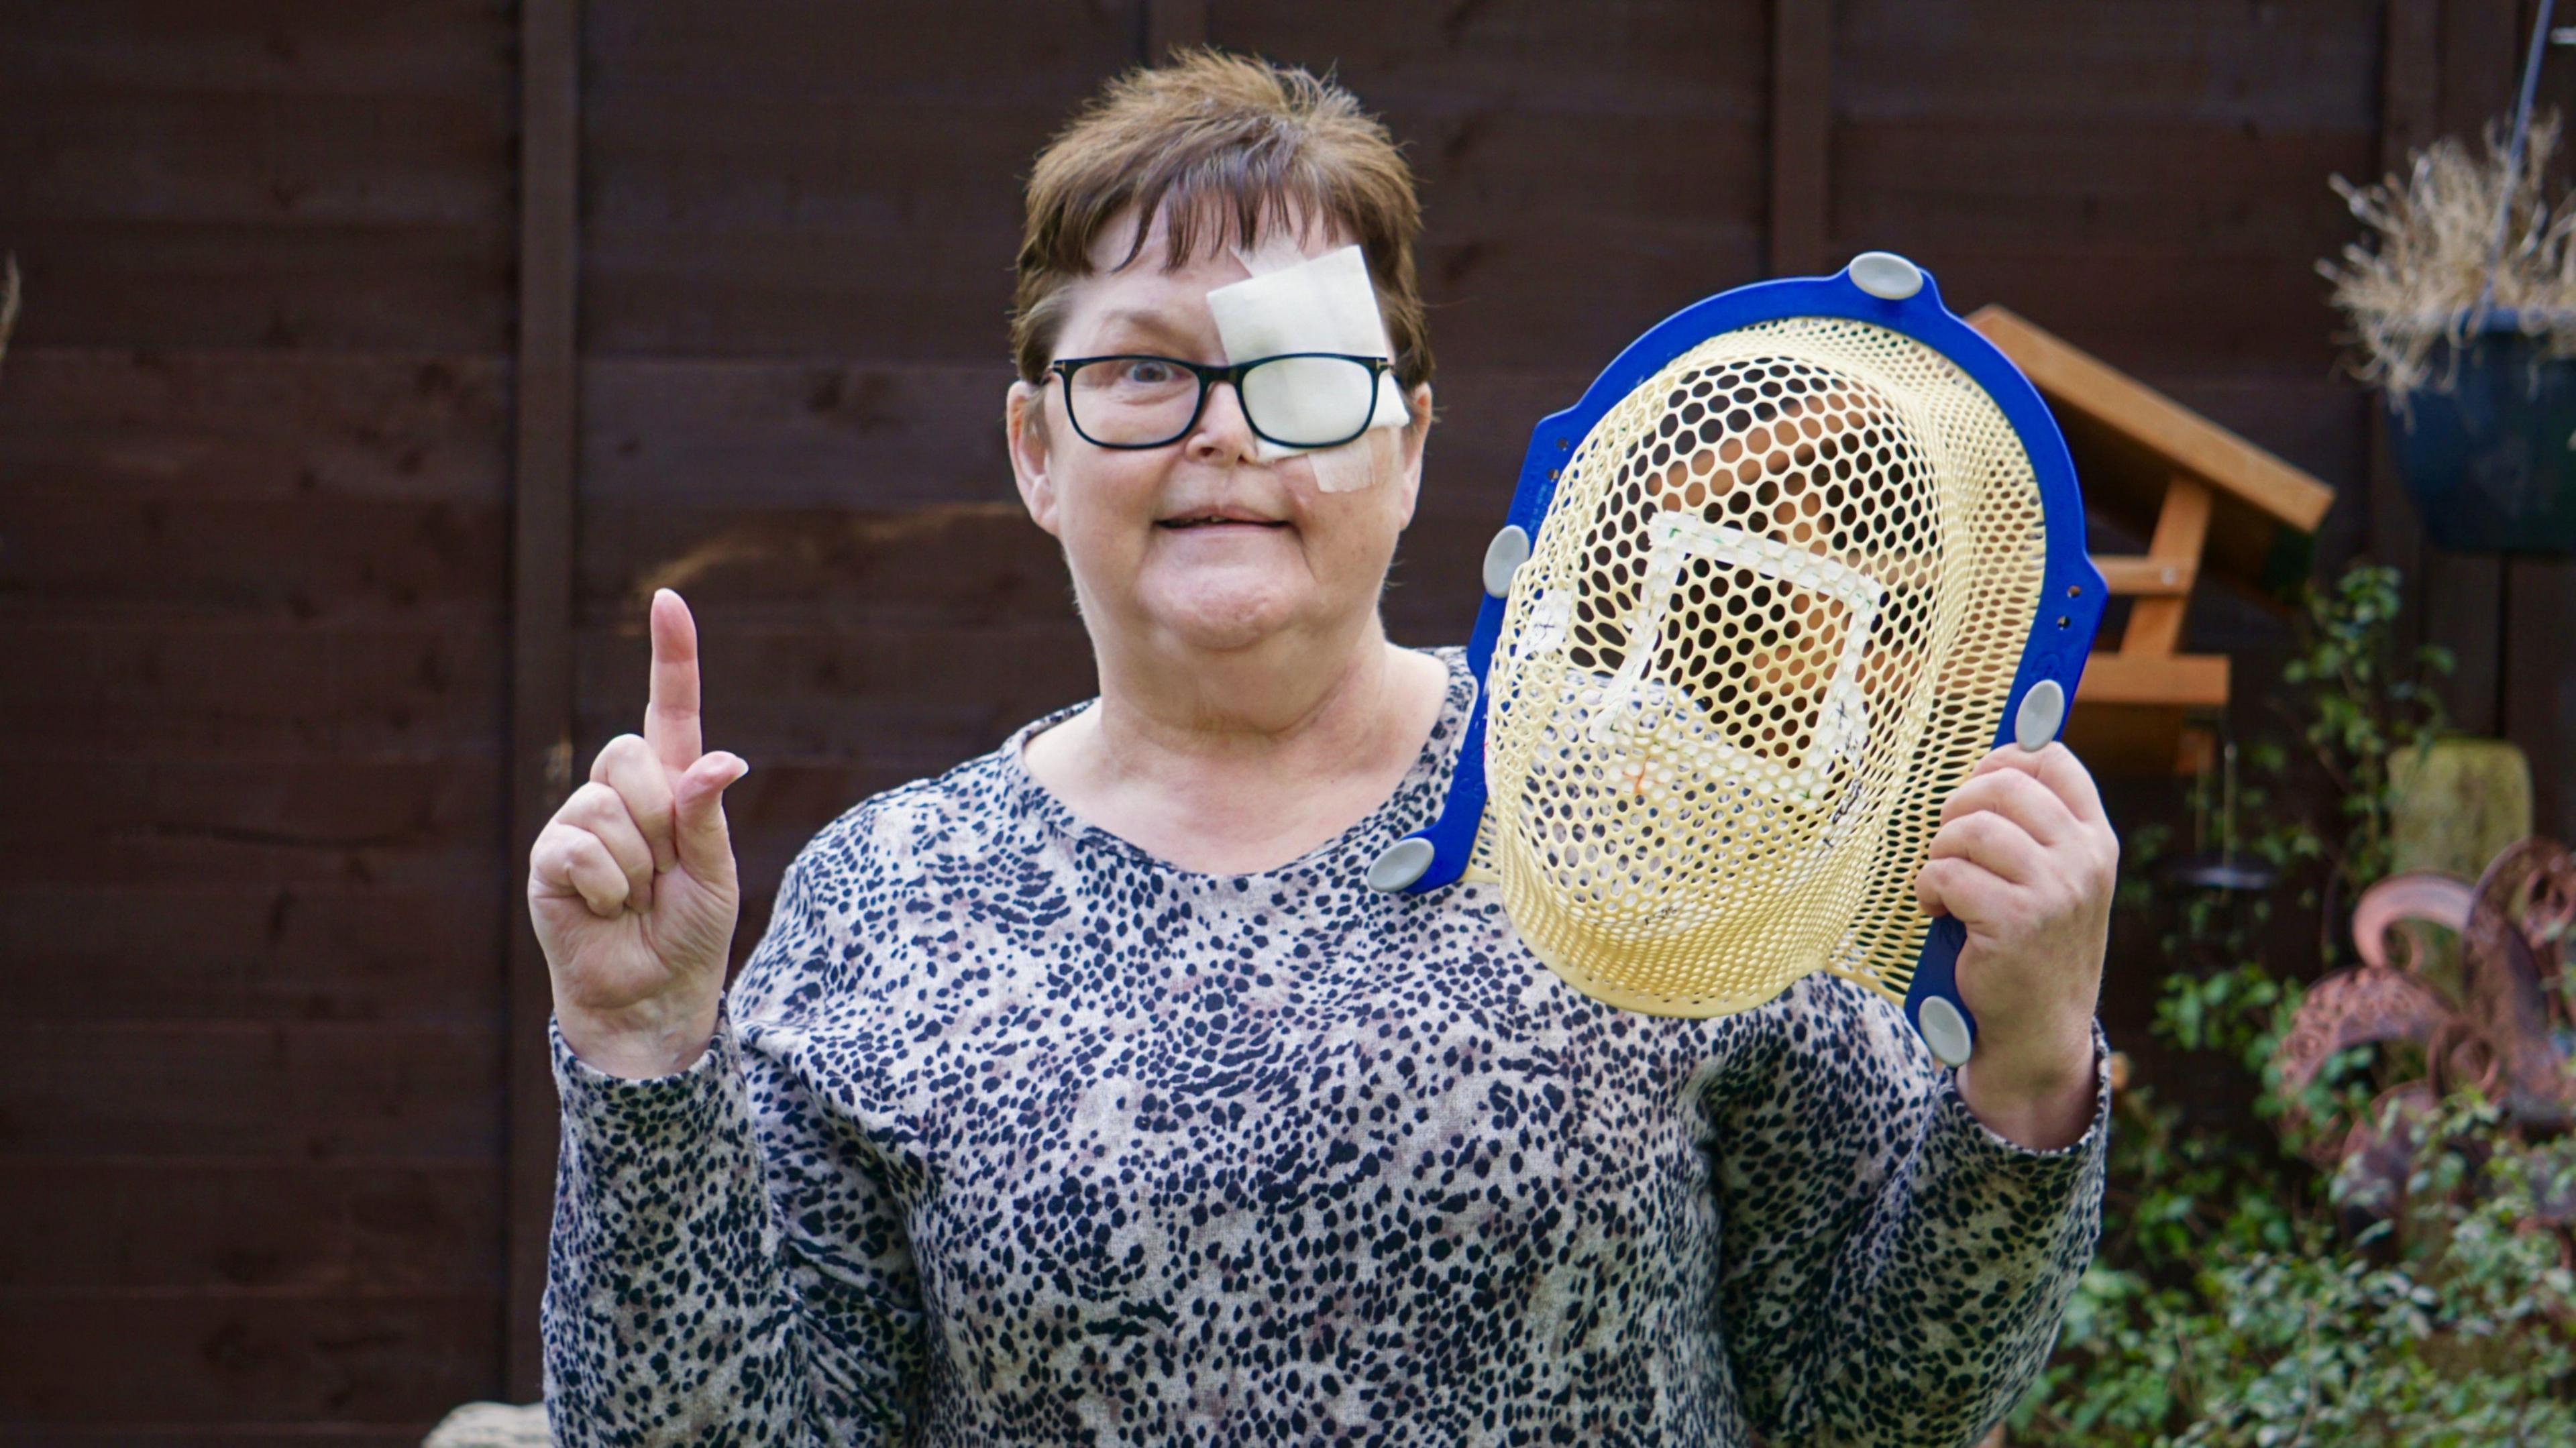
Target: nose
1222	433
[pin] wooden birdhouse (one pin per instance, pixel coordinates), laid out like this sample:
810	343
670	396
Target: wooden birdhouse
2208	501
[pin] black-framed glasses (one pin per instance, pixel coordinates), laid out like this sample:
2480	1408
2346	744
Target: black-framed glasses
1296	399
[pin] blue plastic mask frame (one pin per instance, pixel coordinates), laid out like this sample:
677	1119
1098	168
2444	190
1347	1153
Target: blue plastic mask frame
2071	592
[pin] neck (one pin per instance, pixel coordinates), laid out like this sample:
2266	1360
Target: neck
1243	759
1293	695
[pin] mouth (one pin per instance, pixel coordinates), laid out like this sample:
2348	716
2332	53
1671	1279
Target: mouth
1219	523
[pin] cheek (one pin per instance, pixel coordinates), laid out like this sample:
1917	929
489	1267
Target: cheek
1104	500
1361	528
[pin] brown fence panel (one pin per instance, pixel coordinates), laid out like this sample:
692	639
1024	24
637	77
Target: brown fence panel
253	601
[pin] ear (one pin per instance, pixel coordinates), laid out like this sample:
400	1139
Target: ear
1410	439
1024	426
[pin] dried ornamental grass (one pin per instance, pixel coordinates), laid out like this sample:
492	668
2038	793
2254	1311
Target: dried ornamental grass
2437	273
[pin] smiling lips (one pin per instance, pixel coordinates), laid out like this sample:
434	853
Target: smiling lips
1221	520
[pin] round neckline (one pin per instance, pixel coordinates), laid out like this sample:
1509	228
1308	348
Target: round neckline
1424	776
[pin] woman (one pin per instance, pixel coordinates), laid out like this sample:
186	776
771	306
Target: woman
1086	1094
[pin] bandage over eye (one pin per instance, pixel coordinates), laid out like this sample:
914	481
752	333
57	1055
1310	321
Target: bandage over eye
1290	305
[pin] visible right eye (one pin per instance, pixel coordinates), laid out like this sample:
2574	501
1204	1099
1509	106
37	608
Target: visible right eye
1147	371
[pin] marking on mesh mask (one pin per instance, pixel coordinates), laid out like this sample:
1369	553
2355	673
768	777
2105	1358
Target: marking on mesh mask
1842	725
1551	613
1294	303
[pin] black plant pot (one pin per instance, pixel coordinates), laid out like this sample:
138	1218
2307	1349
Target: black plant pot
2491	462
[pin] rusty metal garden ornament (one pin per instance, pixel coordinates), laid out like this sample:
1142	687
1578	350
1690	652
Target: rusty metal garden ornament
2506	1029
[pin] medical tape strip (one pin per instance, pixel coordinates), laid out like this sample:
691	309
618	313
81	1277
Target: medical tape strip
1324	304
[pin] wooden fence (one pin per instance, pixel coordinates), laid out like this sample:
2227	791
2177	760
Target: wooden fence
378	359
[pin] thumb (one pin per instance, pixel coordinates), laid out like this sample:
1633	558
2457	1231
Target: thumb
697	805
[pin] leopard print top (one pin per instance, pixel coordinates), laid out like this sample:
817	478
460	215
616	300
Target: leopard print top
1012	1133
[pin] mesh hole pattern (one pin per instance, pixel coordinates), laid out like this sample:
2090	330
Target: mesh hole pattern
1769	623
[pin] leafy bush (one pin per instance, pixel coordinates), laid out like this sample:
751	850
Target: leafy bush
2231	1302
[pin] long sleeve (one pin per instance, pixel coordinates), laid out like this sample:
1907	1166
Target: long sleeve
725	1267
1893	1272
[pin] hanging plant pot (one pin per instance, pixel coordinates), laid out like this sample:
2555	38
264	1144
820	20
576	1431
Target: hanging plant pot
2491	462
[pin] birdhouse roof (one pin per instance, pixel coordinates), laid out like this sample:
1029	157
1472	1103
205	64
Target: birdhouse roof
2129	440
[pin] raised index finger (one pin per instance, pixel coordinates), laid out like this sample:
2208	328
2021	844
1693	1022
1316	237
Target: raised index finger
671	708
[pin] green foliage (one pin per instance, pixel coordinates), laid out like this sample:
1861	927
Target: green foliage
2227	1305
2362	711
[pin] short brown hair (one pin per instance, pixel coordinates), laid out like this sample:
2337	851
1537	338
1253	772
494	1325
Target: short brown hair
1211	140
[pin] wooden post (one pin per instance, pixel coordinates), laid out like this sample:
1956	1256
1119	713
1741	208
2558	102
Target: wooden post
2410	99
2182	526
1802	62
2461	597
2137	696
541	700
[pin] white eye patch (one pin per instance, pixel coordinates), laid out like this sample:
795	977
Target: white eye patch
1293	304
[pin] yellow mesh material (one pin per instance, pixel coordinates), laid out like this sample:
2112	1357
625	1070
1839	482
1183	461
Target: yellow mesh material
1769	623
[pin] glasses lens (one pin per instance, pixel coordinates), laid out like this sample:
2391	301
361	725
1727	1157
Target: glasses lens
1132	400
1309	401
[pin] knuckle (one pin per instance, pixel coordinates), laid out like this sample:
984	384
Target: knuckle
1986	827
613	756
2105	858
553	848
566	812
1975	793
602	810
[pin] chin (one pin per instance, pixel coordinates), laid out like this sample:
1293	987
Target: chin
1221	610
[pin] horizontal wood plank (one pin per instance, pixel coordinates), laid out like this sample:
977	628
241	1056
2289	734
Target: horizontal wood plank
325	285
2181	680
923	57
267	47
2288	63
1647	57
2073	379
253	425
178	949
301	1092
2166	185
2141	576
109	1228
318	559
201	687
422	822
337	1434
152	159
246	1361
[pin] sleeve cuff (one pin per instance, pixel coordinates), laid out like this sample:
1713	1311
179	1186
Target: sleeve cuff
1983	1147
692	1099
